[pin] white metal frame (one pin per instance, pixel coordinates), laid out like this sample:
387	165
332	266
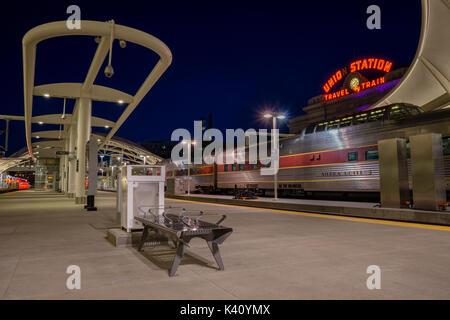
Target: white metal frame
88	89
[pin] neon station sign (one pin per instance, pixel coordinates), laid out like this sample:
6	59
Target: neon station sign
354	81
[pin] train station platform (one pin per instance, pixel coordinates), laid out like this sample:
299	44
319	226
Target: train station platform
340	208
270	255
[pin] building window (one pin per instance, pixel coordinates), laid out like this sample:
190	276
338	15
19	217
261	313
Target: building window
353	156
372	155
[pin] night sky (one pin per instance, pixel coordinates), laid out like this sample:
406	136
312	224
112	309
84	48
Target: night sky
231	58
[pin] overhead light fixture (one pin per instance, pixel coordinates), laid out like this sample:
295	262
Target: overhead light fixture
267	115
40	122
106	127
46	95
120	101
37	137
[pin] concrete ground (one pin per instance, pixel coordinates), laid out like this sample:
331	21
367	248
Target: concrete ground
270	255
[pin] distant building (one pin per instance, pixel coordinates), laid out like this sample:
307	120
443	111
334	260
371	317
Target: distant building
351	89
160	148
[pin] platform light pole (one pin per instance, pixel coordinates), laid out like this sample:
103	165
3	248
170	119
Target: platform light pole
275	116
189	143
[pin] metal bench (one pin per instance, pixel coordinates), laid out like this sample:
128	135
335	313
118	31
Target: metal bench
181	229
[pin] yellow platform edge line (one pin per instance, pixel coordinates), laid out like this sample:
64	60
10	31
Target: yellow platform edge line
1	194
329	216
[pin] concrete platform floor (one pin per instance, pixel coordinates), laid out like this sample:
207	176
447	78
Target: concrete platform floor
270	255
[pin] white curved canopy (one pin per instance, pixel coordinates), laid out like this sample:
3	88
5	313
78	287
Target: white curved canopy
116	146
426	83
87	89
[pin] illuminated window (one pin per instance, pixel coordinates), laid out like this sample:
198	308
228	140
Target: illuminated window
334	124
321	127
353	156
397	113
376	115
372	155
346	122
360	118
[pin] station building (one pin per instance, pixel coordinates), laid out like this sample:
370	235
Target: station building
353	88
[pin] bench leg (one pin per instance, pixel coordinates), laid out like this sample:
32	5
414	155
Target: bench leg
214	247
143	238
177	259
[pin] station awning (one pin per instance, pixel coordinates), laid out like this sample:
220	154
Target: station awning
426	83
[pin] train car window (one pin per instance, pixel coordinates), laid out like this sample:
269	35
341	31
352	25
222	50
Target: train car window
334	124
446	145
372	155
360	118
310	128
397	112
233	167
241	167
321	127
255	166
345	122
353	156
413	111
376	115
225	168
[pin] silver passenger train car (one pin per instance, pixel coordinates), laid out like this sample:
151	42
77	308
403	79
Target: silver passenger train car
335	157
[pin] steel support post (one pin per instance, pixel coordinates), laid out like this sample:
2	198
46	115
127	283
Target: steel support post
83	133
66	161
275	176
71	161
